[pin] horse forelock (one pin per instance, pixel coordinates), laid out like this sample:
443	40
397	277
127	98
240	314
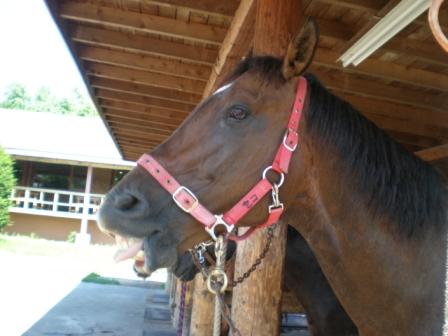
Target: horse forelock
391	180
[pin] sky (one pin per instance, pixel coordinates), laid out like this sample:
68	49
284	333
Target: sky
32	51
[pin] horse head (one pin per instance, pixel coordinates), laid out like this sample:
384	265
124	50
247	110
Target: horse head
219	152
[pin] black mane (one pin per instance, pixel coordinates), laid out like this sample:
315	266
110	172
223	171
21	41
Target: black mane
393	182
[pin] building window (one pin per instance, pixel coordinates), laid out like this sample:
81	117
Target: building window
117	176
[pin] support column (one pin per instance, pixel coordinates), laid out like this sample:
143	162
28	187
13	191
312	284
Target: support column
83	237
202	311
256	303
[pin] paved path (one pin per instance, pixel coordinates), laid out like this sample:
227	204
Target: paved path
108	310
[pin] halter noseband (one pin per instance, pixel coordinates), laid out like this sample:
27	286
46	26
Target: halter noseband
188	202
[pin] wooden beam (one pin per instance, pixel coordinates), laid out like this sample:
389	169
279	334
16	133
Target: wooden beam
423	50
404	126
149	101
139	125
412	139
385	70
235	45
375	6
434	153
168	118
153	120
144	90
144	62
138	134
147	140
339	81
135	151
133	144
143	44
256	303
141	22
398	111
136	147
139	110
118	123
144	77
221	8
371	6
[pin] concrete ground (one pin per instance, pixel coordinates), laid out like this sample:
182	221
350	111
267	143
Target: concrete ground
109	310
31	285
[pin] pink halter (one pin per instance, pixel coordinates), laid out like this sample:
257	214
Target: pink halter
188	202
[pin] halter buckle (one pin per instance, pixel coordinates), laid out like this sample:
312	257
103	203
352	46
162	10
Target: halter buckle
193	205
218	221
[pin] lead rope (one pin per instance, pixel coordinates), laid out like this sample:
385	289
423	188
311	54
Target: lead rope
180	320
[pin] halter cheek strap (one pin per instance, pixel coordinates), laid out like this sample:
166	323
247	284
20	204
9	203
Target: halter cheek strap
188	202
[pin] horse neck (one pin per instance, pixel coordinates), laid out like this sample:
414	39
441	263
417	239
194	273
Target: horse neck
362	256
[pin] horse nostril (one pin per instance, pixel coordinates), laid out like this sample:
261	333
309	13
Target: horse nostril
125	202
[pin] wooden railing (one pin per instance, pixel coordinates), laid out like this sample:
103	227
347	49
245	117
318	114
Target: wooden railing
58	203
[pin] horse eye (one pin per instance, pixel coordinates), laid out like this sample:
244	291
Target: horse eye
238	113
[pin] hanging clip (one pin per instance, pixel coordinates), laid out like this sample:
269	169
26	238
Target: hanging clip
276	204
217	279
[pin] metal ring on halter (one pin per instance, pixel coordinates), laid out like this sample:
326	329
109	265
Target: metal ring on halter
282	176
218	221
217	273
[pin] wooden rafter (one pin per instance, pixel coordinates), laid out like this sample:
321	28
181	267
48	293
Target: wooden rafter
159	122
386	70
144	77
339	81
235	44
434	153
148	101
143	44
144	90
141	110
139	22
144	62
225	8
423	50
401	112
119	123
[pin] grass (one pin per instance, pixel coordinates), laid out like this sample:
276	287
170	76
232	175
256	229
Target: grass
32	245
98	279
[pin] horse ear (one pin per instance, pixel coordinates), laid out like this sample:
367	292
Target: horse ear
301	50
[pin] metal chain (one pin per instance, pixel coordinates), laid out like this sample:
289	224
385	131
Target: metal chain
180	321
257	262
202	266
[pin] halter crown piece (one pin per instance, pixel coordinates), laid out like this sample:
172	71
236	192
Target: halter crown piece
188	202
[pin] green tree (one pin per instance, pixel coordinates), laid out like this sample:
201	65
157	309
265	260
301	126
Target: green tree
7	183
16	97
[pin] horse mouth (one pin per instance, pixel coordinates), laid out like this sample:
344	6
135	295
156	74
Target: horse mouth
149	253
132	249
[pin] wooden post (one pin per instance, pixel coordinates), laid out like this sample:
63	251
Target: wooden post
202	311
83	237
256	303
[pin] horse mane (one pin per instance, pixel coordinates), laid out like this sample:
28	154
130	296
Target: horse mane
392	181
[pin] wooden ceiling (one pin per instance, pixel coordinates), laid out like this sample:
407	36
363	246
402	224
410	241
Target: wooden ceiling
148	63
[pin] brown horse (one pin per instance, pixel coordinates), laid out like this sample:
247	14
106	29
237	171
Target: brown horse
374	215
305	280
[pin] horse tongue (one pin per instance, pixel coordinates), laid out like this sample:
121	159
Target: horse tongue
130	251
